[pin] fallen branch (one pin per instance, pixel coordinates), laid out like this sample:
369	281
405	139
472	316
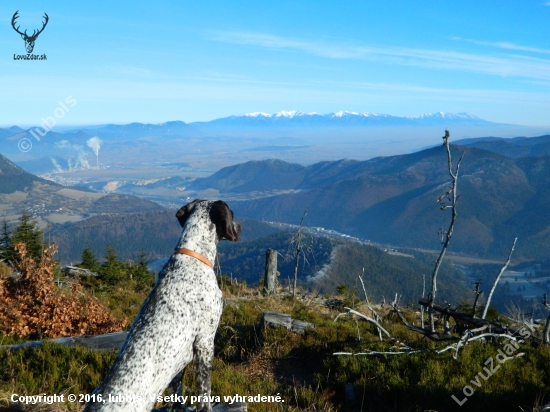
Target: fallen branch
365	317
374	353
109	341
375	323
426	332
495	335
464	339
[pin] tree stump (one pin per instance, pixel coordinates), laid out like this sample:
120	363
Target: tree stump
270	275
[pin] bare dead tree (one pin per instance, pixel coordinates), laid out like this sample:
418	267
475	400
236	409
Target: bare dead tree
447	201
429	334
468	327
502	269
478	293
298	241
546	330
423	294
374	313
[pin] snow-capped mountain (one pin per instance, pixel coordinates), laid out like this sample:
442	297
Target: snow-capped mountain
283	113
288	127
344	113
294	118
291	135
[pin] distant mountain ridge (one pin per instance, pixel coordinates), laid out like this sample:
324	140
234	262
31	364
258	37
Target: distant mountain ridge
340	119
515	148
343	114
137	130
394	199
282	118
344	117
293	136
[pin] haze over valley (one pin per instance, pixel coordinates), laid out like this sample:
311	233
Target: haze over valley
272	168
146	159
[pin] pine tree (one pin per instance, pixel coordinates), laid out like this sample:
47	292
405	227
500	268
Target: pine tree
28	233
88	259
141	273
7	251
142	259
112	271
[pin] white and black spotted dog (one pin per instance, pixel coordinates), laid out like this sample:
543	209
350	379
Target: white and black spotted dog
177	322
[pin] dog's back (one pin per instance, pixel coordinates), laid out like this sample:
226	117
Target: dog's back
177	322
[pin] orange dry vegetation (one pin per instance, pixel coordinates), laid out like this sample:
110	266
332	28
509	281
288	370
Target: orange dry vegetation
32	305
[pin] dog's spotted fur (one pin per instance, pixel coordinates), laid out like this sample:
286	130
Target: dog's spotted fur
178	320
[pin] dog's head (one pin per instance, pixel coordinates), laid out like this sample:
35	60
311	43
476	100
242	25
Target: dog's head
220	215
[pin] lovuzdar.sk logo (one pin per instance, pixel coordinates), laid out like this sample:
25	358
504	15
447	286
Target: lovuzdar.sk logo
29	40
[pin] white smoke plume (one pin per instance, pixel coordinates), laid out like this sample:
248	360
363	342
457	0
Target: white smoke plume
82	162
58	168
63	144
95	144
324	271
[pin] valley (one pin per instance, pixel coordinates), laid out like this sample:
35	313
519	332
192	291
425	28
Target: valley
386	202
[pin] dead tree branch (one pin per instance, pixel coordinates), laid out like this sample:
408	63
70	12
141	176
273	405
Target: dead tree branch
374	353
375	323
365	317
446	201
298	239
546	330
497	279
464	339
426	332
374	314
423	294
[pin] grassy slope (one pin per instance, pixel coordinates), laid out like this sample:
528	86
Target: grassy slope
251	359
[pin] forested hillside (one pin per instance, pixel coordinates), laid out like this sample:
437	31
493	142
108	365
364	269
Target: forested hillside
155	233
394	199
330	263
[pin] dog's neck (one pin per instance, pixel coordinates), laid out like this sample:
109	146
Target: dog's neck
204	242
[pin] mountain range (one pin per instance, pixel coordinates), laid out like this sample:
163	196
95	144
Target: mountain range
394	199
514	148
288	135
341	119
132	225
385	199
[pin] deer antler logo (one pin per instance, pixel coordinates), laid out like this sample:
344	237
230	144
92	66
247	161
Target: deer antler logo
29	40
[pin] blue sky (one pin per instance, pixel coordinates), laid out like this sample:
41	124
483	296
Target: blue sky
197	61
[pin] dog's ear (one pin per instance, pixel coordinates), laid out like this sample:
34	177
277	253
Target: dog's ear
222	217
185	211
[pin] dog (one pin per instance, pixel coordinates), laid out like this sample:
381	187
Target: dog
177	322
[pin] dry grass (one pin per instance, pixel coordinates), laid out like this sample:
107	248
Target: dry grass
252	359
